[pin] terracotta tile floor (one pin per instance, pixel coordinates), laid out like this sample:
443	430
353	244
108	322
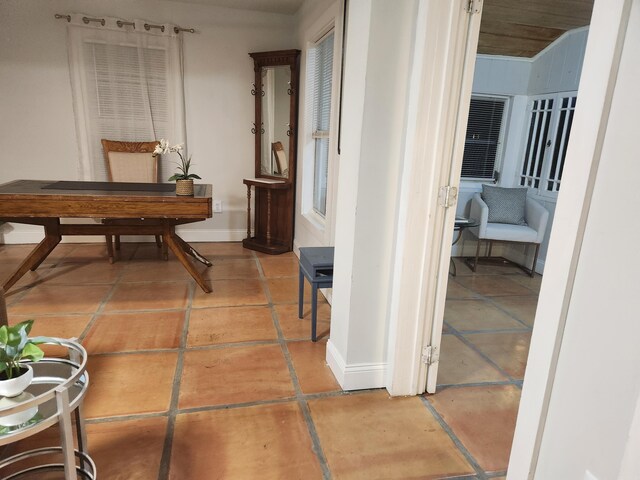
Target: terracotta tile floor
227	385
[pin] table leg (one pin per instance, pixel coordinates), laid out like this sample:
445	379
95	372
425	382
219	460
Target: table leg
4	319
81	433
169	238
66	437
52	238
192	251
109	240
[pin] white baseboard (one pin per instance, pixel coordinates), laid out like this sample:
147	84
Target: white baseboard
358	376
19	235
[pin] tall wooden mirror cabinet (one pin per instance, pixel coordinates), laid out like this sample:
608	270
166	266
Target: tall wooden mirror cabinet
276	133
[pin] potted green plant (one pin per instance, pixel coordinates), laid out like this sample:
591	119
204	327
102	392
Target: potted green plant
183	179
16	346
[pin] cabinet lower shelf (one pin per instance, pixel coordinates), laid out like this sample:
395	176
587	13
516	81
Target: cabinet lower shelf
260	246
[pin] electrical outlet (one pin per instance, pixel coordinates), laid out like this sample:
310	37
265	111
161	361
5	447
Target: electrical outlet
217	206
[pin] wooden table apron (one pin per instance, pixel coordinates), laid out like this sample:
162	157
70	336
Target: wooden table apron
136	212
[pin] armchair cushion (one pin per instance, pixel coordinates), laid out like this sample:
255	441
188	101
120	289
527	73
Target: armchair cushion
506	205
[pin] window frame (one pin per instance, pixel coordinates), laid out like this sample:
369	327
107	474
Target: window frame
317	222
316	134
499	157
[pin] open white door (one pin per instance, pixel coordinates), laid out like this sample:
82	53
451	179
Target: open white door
448	198
442	77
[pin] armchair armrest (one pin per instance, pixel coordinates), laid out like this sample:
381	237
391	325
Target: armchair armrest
480	212
536	217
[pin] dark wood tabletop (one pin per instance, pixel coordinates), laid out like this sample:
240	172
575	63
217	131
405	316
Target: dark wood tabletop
46	198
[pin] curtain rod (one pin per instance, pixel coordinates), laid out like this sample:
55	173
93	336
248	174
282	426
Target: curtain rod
121	23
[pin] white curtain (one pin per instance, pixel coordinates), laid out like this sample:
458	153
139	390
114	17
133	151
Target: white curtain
127	84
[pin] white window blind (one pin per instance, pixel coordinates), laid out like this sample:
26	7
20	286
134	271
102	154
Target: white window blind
128	97
484	130
127	85
321	57
550	121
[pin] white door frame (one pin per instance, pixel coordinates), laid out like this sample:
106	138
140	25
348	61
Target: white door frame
441	81
599	74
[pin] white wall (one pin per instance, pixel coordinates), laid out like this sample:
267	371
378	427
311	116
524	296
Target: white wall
583	363
597	382
37	125
377	71
557	68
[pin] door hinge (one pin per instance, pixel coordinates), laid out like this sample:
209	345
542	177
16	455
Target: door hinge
447	196
474	6
430	355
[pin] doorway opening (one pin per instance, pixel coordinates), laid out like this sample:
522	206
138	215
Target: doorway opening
524	93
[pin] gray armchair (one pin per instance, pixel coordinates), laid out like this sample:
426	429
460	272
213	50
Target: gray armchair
536	218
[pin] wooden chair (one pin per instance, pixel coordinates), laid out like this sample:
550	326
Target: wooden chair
130	162
282	166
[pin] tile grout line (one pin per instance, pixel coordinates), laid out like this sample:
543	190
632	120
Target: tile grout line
165	459
457	442
230	406
497	306
485	357
100	310
299	396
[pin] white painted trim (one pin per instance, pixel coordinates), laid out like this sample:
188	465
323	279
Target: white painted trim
602	58
357	376
35	235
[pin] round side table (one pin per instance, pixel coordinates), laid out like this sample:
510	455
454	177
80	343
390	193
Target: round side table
55	394
460	224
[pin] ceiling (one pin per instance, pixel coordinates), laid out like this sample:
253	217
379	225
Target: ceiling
522	28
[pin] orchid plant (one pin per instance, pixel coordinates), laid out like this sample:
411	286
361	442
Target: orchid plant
183	166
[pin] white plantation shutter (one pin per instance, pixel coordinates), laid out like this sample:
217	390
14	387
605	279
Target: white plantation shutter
550	121
127	85
482	141
321	57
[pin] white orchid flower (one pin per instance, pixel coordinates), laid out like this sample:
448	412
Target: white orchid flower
162	147
177	148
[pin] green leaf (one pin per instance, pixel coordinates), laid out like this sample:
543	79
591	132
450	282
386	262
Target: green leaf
193	175
32	352
4	334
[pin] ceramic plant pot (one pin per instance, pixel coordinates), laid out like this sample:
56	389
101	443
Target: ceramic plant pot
16	385
184	187
17	418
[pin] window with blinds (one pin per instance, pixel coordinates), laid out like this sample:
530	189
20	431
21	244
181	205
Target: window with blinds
127	97
321	60
550	120
483	138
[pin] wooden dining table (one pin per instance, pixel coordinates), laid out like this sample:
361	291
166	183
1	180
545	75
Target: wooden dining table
124	208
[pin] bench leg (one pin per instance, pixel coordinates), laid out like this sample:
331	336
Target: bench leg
300	293
314	310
